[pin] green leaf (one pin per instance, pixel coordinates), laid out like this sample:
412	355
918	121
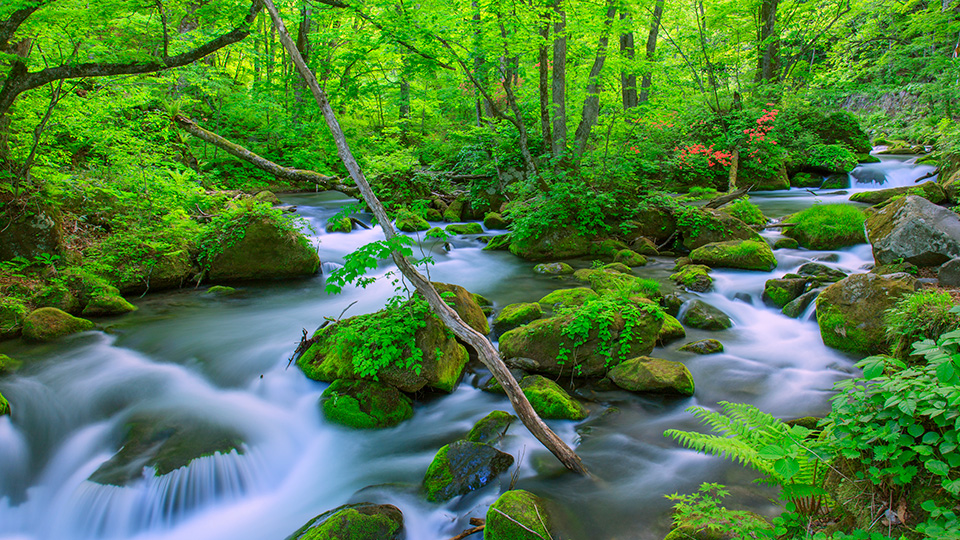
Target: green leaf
916	430
937	467
771	452
872	367
931	438
945	372
787	468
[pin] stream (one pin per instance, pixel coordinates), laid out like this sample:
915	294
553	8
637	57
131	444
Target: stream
224	359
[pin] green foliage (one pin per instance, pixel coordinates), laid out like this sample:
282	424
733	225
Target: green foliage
827	226
747	212
925	314
570	203
830	157
702	511
228	227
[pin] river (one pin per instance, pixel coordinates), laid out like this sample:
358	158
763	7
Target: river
224	360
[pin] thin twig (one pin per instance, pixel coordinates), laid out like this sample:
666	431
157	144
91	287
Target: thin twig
521	525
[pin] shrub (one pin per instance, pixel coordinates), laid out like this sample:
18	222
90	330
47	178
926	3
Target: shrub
827	226
747	212
924	314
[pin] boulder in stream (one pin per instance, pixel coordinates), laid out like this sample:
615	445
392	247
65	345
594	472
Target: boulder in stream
48	324
365	404
550	401
494	220
361	521
462	467
702	315
694	277
612	279
264	250
517	515
827	226
743	254
567	297
646	374
914	230
104	304
407	221
629	258
820	273
928	190
464	228
781	292
701	226
8	365
671	330
491	428
704	346
515	315
342	225
500	242
798	305
850	312
553	244
553	269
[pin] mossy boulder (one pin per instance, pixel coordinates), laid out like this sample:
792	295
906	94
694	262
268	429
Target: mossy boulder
491	427
652	222
465	304
454	212
827	226
836	181
553	269
361	521
781	292
694	277
608	248
703	346
550	401
820	273
30	231
766	179
342	225
552	244
930	191
850	312
644	246
786	243
221	290
268	197
644	374
57	296
47	324
798	305
85	286
265	250
743	254
618	267
804	179
365	404
610	280
8	365
486	306
12	314
567	297
702	315
537	346
701	226
515	315
494	220
500	242
914	230
107	304
464	228
407	221
671	330
4	406
517	515
630	258
462	467
165	442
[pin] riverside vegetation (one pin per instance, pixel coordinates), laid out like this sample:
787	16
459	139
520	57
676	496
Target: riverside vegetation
112	190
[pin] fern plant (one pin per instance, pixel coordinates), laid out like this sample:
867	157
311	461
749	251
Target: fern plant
785	455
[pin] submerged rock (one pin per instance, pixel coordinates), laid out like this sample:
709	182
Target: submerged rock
913	230
850	312
554	268
646	374
264	251
743	254
491	427
361	521
47	324
706	317
365	404
550	401
703	346
517	515
462	467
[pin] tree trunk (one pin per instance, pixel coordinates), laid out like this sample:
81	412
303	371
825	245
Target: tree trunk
543	57
768	43
591	104
734	165
488	355
651	51
628	78
559	81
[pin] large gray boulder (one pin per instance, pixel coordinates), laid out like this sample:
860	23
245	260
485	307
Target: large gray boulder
913	230
850	312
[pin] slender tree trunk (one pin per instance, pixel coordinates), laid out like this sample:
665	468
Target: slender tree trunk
478	57
628	77
543	57
487	353
651	51
734	165
303	45
591	104
559	82
701	17
768	43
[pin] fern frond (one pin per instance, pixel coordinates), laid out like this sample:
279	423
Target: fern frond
730	448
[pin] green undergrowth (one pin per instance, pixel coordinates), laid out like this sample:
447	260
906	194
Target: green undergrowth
827	226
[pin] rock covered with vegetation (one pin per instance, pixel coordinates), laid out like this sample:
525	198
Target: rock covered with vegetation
743	254
850	312
645	374
701	226
694	277
491	427
462	467
517	515
928	190
4	406
827	226
360	521
365	404
550	400
48	324
700	314
671	330
703	346
515	315
262	248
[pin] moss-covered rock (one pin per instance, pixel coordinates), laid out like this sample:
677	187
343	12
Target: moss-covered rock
703	346
786	243
743	254
267	196
608	248
701	226
8	365
454	212
644	374
850	312
553	269
12	314
47	324
780	292
361	521
501	242
538	345
644	246
494	220
57	296
165	442
820	273
798	305
486	306
806	180
702	315
767	179
407	221
221	290
464	228
104	304
517	515
827	226
630	258
554	244
671	330
550	401
433	214
85	286
836	181
365	404
618	267
465	304
652	222
567	298
867	158
491	427
265	251
609	280
694	277
4	406
342	225
928	190
515	315
462	467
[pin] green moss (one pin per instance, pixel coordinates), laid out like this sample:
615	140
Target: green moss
407	221
747	212
491	427
501	242
606	280
836	332
103	304
221	290
567	297
836	181
555	269
781	292
743	254
671	330
12	314
550	401
827	226
267	196
342	225
4	406
694	277
266	249
454	212
462	467
515	315
786	243
929	190
8	365
353	523
806	180
703	346
517	515
608	249
47	324
630	258
365	404
438	475
645	374
867	158
706	317
57	296
464	228
494	220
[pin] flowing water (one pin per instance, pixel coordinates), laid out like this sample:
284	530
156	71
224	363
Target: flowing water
223	361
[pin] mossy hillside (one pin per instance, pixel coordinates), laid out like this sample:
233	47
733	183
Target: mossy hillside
491	427
363	521
550	401
644	374
515	315
827	226
47	324
517	515
694	277
461	467
743	254
365	404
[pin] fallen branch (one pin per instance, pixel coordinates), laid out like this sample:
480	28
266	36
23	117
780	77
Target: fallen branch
487	353
717	202
780	225
328	183
468	532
